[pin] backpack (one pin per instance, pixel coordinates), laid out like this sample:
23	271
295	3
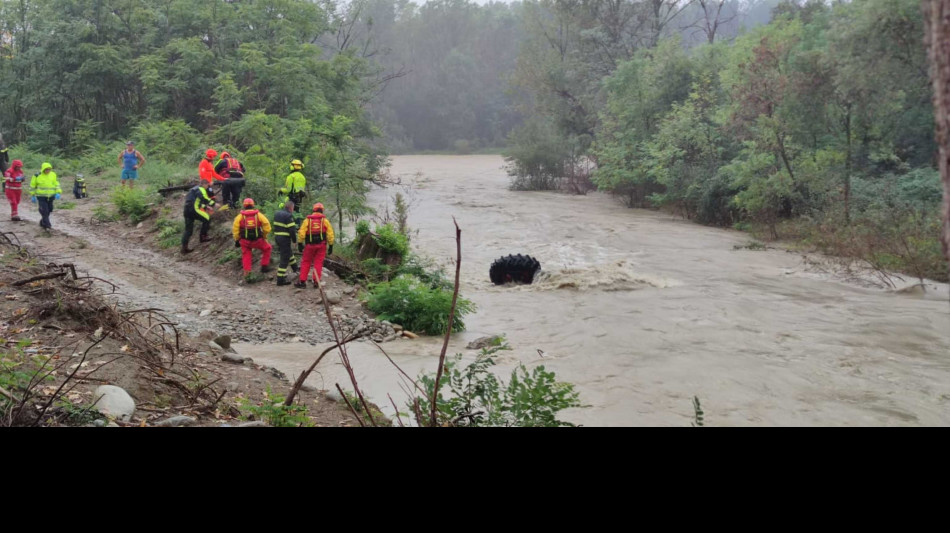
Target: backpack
250	225
315	229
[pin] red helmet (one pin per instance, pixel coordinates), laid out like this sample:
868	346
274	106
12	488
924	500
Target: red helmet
225	155
211	153
318	208
17	163
248	202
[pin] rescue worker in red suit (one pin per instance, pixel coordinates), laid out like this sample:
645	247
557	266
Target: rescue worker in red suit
316	234
13	186
250	233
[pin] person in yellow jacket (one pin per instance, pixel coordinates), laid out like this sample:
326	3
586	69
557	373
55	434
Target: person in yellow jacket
44	188
295	188
316	234
250	233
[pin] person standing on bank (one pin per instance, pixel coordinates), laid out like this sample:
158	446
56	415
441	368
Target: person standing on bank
4	156
285	234
198	206
44	188
316	234
250	231
232	172
295	187
13	187
131	160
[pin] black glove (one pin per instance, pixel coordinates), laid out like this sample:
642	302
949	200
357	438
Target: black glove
237	244
330	250
300	247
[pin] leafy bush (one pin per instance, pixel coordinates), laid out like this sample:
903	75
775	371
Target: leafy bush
476	397
362	228
273	411
376	270
169	232
102	213
418	307
229	257
392	241
131	203
427	271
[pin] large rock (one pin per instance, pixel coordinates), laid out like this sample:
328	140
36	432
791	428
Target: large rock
223	341
236	359
176	421
114	402
485	342
334	298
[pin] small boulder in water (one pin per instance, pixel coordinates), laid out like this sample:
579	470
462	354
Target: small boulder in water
485	342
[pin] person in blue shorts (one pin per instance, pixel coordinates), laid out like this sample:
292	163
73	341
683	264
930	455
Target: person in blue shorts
131	161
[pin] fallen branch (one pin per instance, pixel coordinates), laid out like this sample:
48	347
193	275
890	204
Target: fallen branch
41	277
306	374
348	404
448	332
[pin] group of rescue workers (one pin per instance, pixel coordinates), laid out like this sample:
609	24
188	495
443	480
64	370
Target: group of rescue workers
313	238
44	189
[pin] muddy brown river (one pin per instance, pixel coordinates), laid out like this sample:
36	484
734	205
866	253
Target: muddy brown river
643	311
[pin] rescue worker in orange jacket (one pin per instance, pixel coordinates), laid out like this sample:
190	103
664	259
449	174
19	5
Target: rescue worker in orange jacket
13	186
206	173
250	233
316	234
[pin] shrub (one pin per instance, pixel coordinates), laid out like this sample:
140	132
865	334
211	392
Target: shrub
131	203
427	271
376	270
169	232
392	241
273	411
476	397
362	228
418	307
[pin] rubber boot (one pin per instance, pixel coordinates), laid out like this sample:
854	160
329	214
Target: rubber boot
205	238
185	249
265	269
282	281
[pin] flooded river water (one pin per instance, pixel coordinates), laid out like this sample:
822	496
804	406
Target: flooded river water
642	311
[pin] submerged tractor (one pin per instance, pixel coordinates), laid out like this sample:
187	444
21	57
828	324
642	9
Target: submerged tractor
520	269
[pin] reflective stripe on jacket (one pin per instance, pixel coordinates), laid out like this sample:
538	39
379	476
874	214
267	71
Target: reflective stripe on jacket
296	182
285	225
197	200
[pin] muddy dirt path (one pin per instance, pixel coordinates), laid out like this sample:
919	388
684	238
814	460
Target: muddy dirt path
201	297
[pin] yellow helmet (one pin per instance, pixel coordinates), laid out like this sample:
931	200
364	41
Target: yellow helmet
296	164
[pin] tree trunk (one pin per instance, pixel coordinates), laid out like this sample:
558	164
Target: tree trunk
848	167
937	21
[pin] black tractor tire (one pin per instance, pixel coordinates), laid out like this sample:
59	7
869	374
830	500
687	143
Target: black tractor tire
514	269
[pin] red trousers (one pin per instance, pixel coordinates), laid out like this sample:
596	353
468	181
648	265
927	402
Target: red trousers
247	256
14	197
313	254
